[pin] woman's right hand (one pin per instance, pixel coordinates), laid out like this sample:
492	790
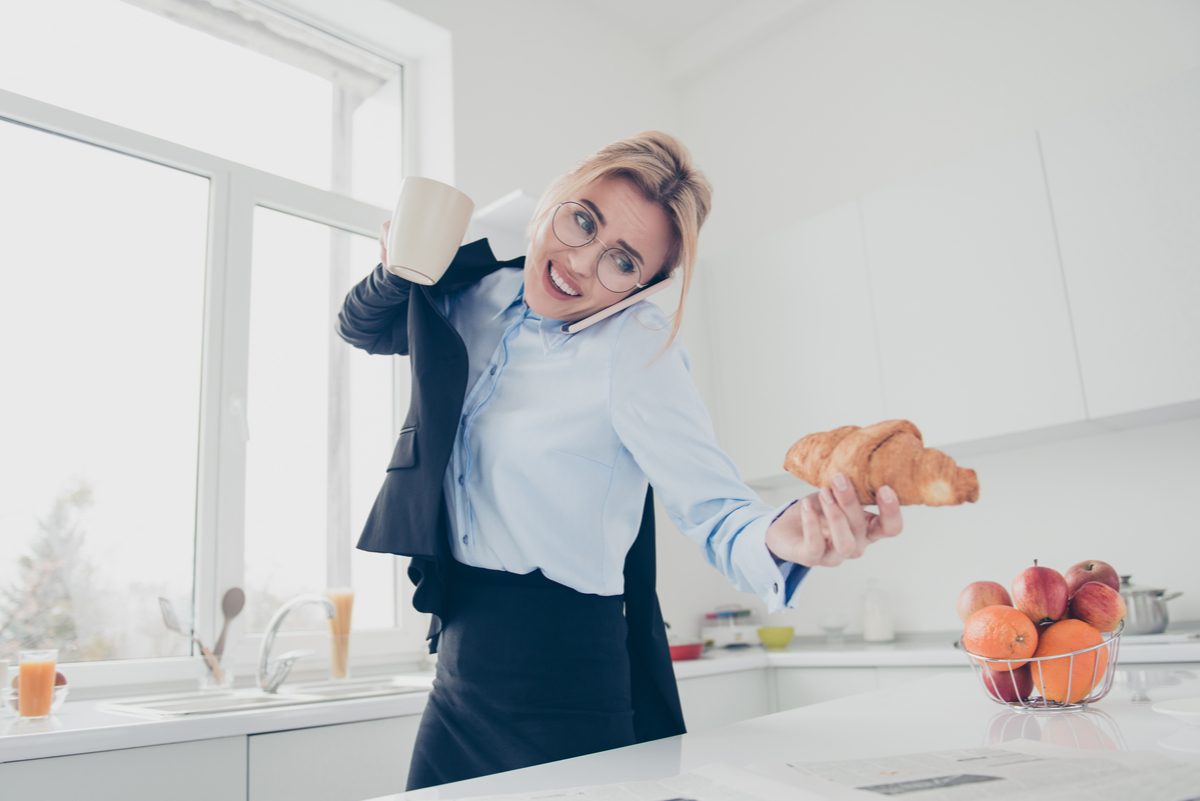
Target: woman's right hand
383	245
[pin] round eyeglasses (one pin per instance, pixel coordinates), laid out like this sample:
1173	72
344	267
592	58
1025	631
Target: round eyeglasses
576	227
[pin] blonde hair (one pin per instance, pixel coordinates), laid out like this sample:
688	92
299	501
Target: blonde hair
661	168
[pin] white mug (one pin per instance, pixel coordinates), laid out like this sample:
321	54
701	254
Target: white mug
428	226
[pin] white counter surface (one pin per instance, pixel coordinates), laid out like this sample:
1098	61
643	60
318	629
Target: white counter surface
945	711
81	727
916	650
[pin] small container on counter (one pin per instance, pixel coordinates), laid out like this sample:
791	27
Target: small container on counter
729	627
877	616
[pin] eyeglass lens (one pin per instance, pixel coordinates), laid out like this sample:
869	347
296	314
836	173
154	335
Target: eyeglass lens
575	226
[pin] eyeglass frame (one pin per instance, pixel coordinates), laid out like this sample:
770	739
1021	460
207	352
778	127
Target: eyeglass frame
636	285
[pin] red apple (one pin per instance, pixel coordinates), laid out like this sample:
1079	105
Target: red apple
979	594
1041	593
1009	685
1098	605
1092	570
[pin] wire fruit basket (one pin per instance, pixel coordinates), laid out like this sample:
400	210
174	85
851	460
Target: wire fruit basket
1088	675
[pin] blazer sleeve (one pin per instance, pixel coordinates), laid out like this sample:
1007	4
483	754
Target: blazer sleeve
374	315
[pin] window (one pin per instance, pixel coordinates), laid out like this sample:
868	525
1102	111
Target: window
180	415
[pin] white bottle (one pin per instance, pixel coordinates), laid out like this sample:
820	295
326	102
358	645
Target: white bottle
877	617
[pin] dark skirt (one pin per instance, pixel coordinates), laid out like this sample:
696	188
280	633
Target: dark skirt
528	671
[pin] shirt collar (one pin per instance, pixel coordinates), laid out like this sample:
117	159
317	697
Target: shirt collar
551	329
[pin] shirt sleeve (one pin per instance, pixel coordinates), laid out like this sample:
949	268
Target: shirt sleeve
661	420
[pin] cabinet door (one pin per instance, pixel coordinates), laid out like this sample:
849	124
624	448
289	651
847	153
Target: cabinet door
711	701
796	343
1125	185
803	686
197	771
345	762
975	336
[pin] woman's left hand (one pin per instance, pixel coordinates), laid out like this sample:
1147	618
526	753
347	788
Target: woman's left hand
827	527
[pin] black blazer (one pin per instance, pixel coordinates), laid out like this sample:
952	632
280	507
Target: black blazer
383	315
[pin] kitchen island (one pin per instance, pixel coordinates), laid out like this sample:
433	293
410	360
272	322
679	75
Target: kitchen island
941	712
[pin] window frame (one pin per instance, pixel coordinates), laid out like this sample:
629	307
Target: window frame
422	51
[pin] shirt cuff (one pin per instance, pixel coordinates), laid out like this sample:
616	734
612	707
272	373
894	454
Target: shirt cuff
771	579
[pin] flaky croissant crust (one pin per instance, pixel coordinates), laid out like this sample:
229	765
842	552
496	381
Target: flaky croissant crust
889	453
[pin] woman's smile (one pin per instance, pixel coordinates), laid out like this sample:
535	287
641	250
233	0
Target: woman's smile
558	285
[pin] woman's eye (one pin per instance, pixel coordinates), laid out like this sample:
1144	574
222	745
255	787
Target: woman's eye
585	223
626	265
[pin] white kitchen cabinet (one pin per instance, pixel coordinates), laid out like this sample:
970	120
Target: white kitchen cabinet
717	700
1125	186
974	331
344	762
795	340
803	686
202	770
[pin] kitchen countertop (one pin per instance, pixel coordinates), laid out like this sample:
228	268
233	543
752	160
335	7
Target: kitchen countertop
81	727
1180	644
946	711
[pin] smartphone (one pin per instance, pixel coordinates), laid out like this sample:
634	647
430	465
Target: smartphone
625	302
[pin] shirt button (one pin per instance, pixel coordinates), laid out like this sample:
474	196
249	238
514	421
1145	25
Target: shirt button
464	419
465	538
493	370
461	481
775	588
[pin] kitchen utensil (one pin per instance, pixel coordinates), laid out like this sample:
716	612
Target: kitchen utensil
232	603
172	622
683	651
775	638
729	627
1145	608
428	225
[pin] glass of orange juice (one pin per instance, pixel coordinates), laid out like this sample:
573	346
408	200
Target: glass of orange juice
35	693
339	631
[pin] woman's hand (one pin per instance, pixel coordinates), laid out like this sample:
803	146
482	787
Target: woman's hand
383	245
829	526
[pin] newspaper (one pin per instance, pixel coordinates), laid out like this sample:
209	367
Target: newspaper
1025	770
1022	769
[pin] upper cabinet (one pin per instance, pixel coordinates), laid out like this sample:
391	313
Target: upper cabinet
1125	187
795	340
974	334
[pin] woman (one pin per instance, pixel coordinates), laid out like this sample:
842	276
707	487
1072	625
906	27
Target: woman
546	508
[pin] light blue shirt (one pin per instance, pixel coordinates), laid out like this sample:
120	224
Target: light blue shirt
561	434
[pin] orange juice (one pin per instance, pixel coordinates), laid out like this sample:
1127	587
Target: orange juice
339	631
36	691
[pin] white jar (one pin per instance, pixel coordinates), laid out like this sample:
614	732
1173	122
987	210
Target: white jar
877	617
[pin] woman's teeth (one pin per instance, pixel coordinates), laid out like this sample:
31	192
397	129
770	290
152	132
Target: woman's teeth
561	284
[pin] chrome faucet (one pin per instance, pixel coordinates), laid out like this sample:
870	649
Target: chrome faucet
270	676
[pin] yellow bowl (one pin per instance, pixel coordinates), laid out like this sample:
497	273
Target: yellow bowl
775	637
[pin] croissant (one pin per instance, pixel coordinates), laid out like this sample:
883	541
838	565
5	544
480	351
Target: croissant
890	453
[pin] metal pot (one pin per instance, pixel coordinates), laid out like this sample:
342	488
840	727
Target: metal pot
1145	608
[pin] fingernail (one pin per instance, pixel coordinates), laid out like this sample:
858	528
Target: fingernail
826	495
888	494
840	482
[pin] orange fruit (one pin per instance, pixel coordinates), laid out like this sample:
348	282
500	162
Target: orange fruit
1000	632
1071	678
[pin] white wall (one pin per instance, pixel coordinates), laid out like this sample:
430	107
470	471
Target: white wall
855	95
832	102
519	119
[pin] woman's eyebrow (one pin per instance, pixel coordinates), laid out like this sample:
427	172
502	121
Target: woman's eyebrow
600	216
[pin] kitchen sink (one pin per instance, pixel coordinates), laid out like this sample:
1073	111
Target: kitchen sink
201	702
356	688
209	702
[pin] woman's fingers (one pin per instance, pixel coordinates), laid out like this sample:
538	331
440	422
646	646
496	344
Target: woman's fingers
813	547
844	542
383	243
847	498
888	522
